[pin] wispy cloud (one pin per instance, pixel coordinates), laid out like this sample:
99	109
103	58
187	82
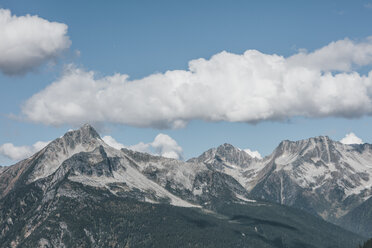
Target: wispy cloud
29	41
368	5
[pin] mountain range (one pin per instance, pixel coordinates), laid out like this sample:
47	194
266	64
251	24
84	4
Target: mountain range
80	192
318	175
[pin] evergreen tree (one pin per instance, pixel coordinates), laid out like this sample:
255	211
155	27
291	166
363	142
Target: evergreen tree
367	244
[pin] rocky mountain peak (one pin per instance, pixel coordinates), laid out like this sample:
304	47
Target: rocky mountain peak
227	148
86	136
225	154
83	134
89	130
288	144
301	171
80	172
322	147
85	139
232	153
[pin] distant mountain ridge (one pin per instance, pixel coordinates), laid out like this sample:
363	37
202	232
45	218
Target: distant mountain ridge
57	197
321	176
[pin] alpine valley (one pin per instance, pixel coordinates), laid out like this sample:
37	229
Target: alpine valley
80	192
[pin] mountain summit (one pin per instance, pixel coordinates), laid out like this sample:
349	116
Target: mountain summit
321	176
225	155
85	139
79	190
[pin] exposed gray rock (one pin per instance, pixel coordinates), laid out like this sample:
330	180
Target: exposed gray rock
318	175
321	176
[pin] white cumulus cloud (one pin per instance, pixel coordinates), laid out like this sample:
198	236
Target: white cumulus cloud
21	152
163	145
28	41
249	87
166	146
253	154
112	142
340	55
351	138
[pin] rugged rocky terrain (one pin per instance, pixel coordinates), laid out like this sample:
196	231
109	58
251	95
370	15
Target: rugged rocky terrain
80	192
321	176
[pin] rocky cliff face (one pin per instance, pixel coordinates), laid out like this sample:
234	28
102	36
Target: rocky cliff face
319	175
79	188
83	157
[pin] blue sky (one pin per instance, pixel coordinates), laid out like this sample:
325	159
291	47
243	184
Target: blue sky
140	38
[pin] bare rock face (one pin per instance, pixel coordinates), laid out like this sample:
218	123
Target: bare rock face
47	161
225	155
321	176
79	189
85	139
82	156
